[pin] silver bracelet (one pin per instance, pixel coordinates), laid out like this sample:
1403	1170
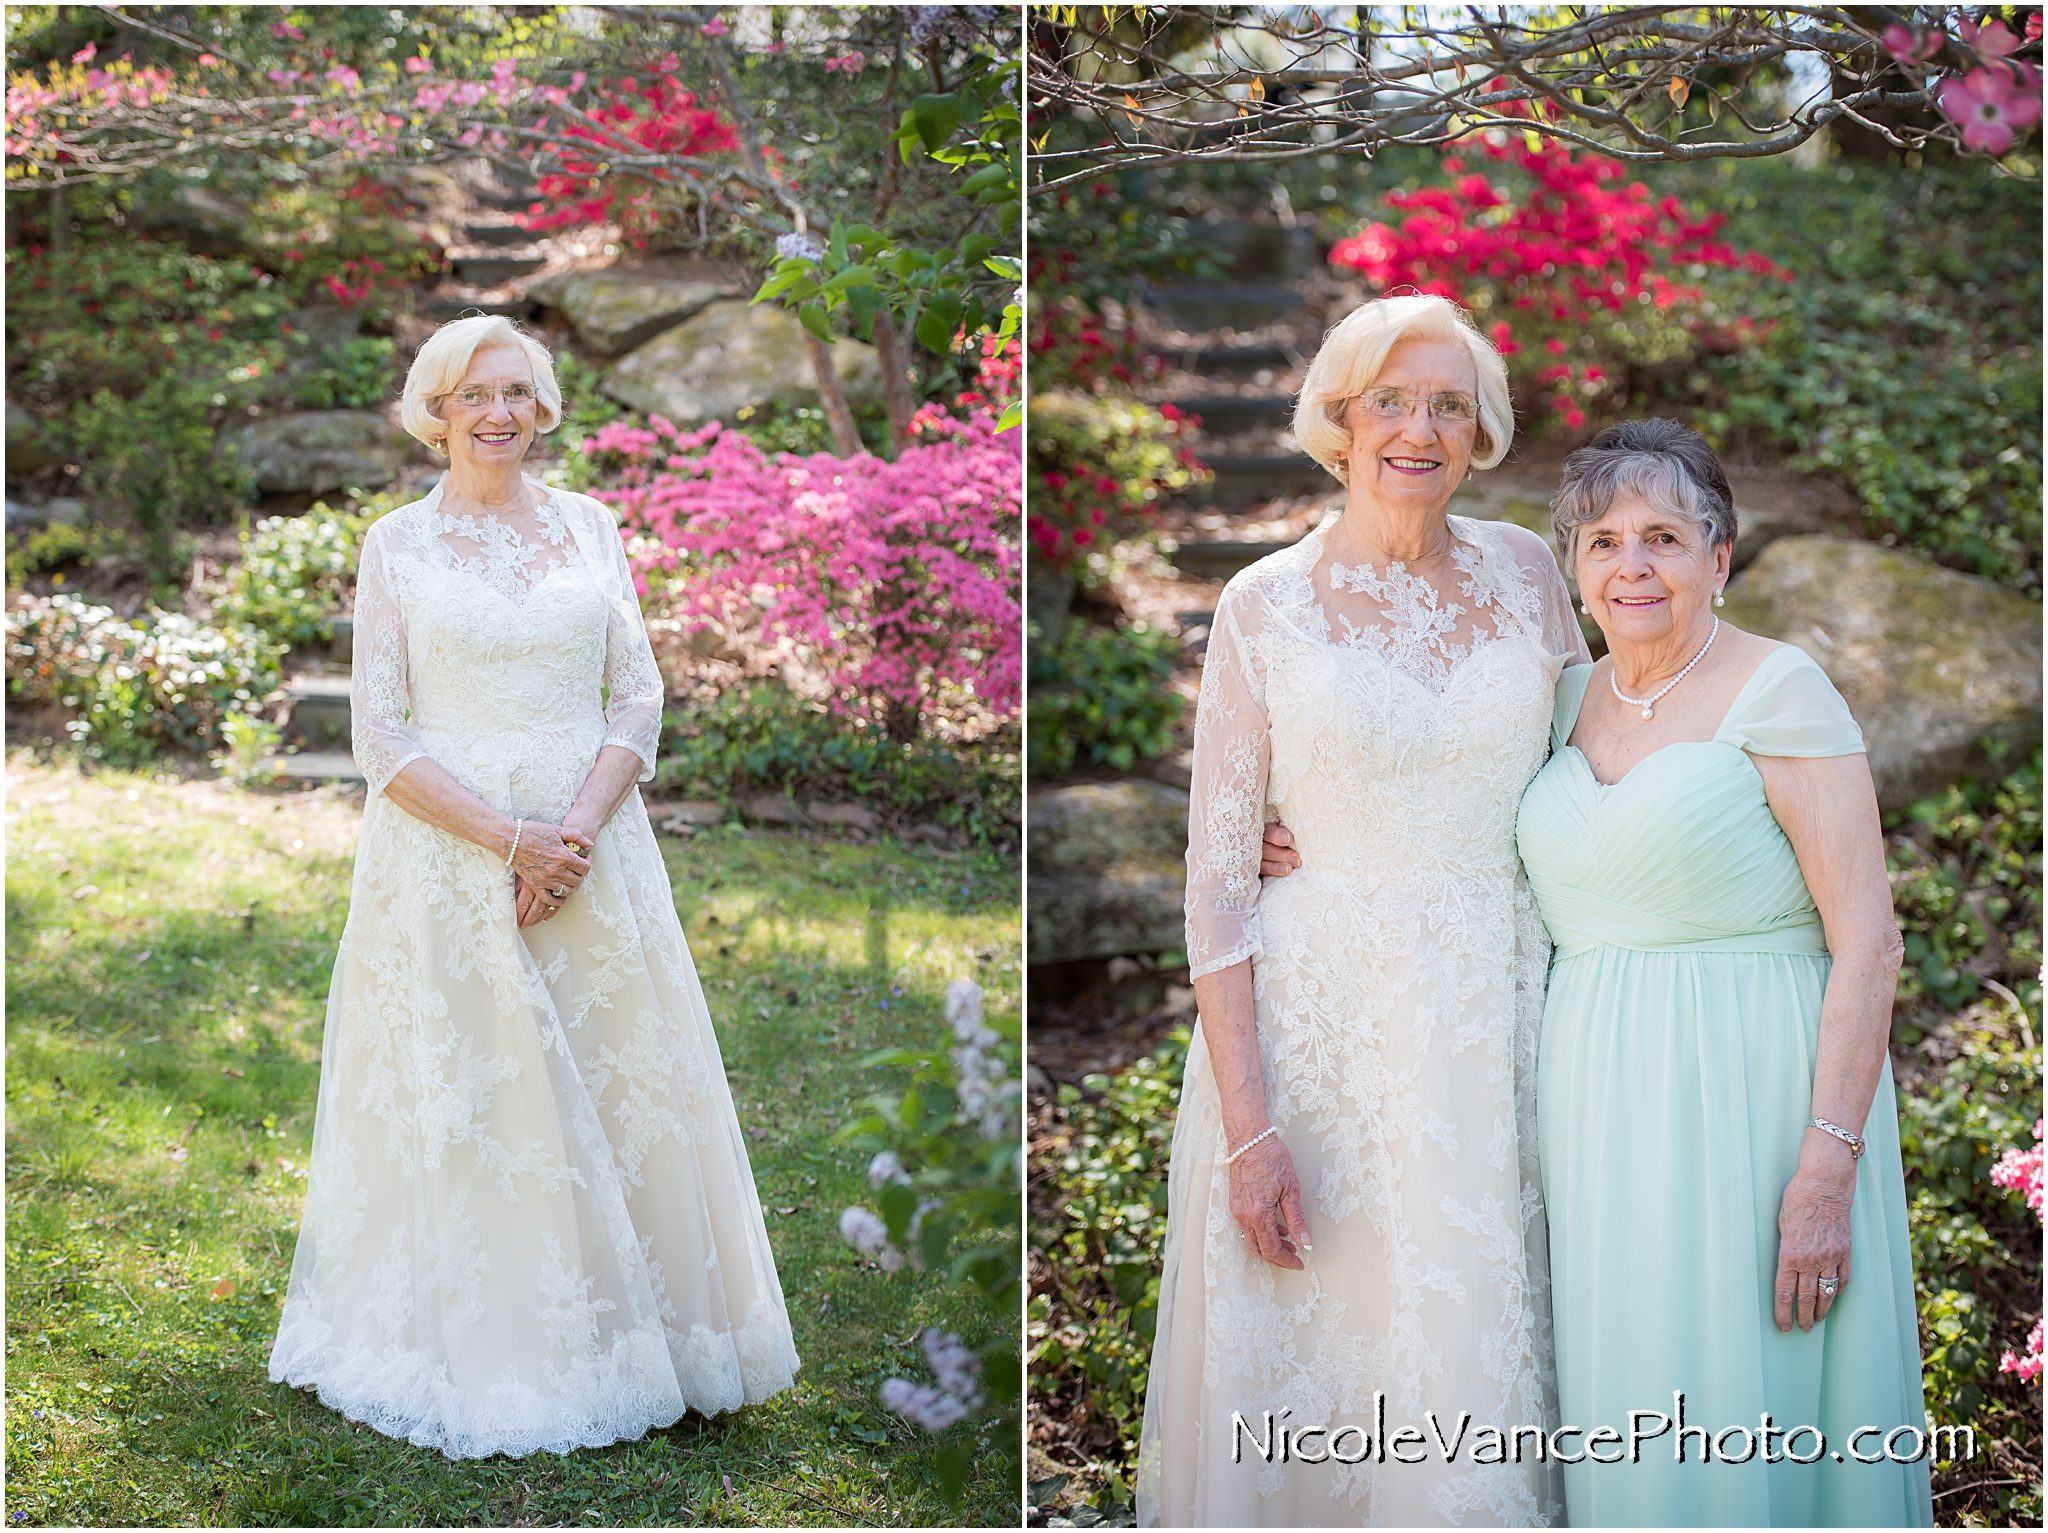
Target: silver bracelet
1231	1159
1855	1144
518	829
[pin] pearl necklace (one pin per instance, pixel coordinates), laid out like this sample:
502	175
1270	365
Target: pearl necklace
1644	702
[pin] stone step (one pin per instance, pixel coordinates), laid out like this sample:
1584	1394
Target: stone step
343	649
1220	560
489	271
320	766
1216	307
1224	413
1248	480
456	308
518	200
1213	361
499	234
319	712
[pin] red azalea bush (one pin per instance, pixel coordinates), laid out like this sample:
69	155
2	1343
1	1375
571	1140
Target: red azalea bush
894	579
1099	467
1579	278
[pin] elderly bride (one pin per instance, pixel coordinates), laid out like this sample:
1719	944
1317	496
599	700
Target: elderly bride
1355	1235
530	1222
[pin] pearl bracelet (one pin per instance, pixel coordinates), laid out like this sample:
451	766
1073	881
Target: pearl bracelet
518	830
1852	1141
1231	1159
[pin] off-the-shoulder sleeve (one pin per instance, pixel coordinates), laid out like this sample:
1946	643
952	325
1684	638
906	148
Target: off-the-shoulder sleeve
1790	708
1227	799
633	710
378	695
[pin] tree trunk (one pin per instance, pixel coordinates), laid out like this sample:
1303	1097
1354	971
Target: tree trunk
895	382
845	438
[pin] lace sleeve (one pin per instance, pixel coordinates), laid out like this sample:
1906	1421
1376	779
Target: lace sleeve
1227	800
1561	632
378	698
633	710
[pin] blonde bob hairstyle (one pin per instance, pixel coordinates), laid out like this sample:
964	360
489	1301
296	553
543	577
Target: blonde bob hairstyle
1353	354
442	362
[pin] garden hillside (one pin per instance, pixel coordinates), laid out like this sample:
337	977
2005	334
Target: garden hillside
774	253
1860	339
205	350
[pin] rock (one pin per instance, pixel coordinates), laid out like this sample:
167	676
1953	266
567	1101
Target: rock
852	816
619	310
1176	770
733	355
1107	874
28	447
325	324
772	809
30	513
321	450
1930	661
201	220
935	836
691	812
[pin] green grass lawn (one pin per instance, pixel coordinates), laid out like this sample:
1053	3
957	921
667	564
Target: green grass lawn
168	952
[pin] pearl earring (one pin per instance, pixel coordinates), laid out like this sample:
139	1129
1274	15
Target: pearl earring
1720	600
1585	609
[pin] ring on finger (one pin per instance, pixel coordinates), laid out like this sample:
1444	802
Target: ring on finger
1830	1286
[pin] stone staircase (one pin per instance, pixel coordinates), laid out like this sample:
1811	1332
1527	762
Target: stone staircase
317	718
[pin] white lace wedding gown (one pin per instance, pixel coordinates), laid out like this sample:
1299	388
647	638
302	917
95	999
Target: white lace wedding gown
1398	981
530	1222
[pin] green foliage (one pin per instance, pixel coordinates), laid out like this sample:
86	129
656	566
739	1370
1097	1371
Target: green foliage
1101	695
133	688
767	738
54	546
355	375
1096	469
251	754
1904	360
946	1171
164	1039
1098	1220
294	575
1966	886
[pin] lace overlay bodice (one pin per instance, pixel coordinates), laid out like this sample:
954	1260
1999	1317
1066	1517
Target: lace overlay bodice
484	643
1397	978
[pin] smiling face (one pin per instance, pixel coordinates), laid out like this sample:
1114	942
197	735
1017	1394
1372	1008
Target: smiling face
497	434
1416	459
1647	572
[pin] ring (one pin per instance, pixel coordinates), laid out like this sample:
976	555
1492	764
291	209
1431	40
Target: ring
1829	1287
559	892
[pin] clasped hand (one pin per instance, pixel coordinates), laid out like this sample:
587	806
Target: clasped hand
550	865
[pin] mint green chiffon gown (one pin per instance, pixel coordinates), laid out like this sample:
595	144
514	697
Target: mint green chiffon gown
1673	1089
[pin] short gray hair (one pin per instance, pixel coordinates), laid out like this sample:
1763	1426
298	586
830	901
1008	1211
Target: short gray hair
442	362
1668	465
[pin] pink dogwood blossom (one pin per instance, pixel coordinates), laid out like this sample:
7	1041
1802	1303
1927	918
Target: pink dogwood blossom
1992	39
1907	46
1990	104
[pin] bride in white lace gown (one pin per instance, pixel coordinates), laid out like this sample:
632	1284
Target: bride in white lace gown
530	1223
1376	1249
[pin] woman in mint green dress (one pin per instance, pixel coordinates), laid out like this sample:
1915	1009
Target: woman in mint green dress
1719	1143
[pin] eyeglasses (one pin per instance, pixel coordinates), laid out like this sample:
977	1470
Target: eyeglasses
477	399
1394	404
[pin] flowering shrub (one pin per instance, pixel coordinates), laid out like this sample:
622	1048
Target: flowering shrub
893	579
1101	695
134	688
1098	467
2020	1171
1577	277
293	576
656	114
946	1168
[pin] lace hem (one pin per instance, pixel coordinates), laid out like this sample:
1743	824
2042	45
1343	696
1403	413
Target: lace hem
1238	954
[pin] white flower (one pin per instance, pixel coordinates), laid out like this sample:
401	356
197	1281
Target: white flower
864	1230
959	1370
885	1168
891	1259
932	1409
799	247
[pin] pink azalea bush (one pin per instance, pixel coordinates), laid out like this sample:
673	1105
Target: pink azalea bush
1577	266
2020	1171
894	579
